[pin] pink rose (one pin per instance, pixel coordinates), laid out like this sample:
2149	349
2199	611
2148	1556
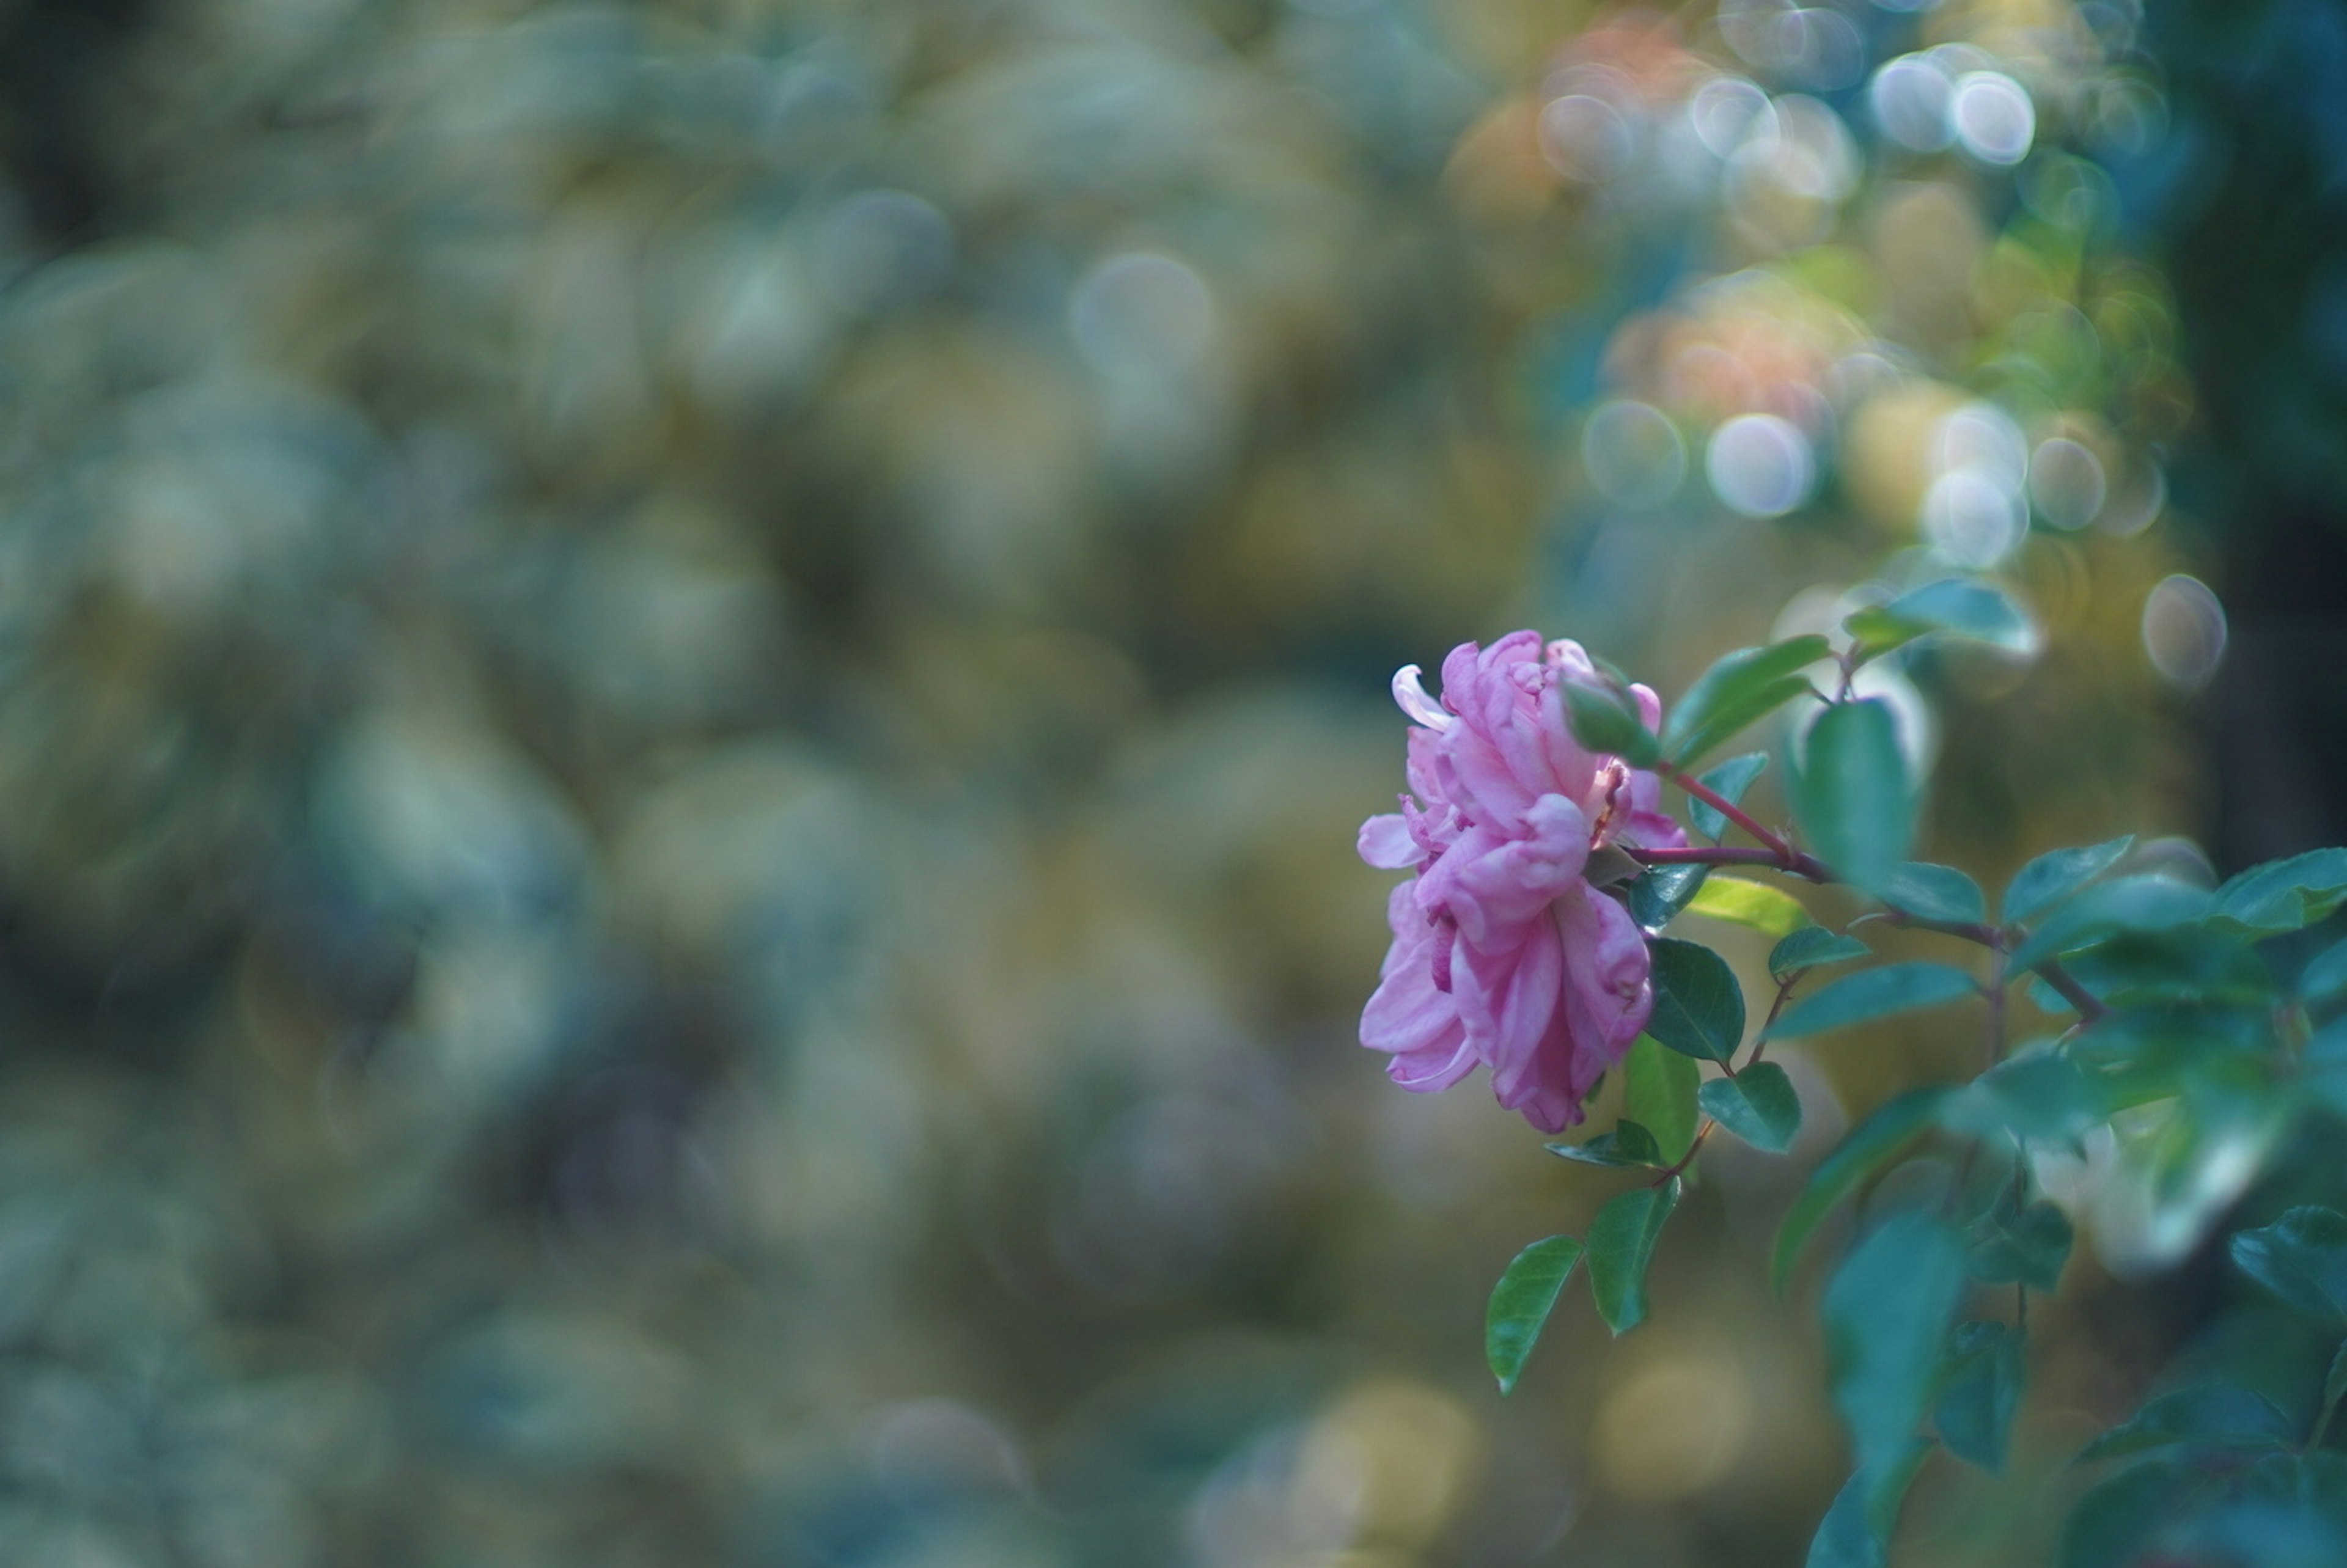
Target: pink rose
1503	955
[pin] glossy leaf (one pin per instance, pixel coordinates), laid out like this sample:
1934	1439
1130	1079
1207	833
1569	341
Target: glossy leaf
1698	1006
1811	947
1607	720
2216	1416
2301	1257
1657	896
1629	1143
1987	1373
2129	904
2285	895
1729	781
1659	1090
1743	902
1738	690
1887	1312
1957	607
1852	796
1868	1147
1934	893
1873	994
1621	1244
1757	1105
1522	1302
2055	875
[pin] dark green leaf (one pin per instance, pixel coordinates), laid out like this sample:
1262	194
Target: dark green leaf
1607	720
2325	979
2055	875
1871	1145
1988	1369
2301	1257
2285	895
2215	1416
1851	795
1629	1143
2027	1245
2146	903
1757	1105
1875	993
2041	1096
1657	897
1659	1091
2183	963
1934	893
1728	781
1621	1243
1698	1006
2114	1521
1743	902
1811	947
1969	610
1887	1312
1739	687
1521	1302
1856	1531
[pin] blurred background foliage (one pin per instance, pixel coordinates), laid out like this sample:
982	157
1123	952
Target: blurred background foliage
684	686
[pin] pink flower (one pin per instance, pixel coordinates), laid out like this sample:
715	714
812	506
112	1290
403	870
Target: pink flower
1503	954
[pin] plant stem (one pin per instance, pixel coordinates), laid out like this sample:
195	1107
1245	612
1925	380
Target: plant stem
1785	854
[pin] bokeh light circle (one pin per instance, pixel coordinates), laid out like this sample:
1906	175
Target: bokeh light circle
1634	454
1910	97
2184	630
1971	518
1994	117
1760	465
2067	483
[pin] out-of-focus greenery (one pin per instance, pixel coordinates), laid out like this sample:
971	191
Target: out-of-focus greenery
686	687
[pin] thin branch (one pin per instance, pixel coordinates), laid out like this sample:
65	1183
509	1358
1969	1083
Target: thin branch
1785	854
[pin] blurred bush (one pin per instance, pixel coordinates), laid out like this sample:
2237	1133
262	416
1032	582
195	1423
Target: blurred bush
686	685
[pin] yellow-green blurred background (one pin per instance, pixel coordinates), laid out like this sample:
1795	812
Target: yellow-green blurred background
684	688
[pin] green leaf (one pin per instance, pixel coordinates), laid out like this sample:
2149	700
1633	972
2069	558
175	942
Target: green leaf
2334	1389
1698	1006
2039	1096
1875	993
1659	1090
2301	1257
1811	947
1657	897
1738	689
1621	1243
2285	895
1728	781
2325	979
1607	720
2147	903
1747	903
1871	1145
1521	1302
1856	1531
1988	1369
1887	1312
1934	893
2114	1521
1757	1105
1853	798
1629	1143
2055	875
2026	1245
1960	607
2218	1416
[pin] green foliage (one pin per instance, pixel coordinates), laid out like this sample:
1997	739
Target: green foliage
1968	610
1621	1244
2024	1242
2301	1257
1757	1105
1729	781
1851	795
1934	893
1698	1006
1520	1304
2217	1417
1813	947
2285	895
1872	994
2041	1096
1868	1147
2325	980
1743	902
2055	875
1657	896
1607	720
2148	902
1857	1528
1739	689
1629	1143
1987	1372
1659	1090
1887	1312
